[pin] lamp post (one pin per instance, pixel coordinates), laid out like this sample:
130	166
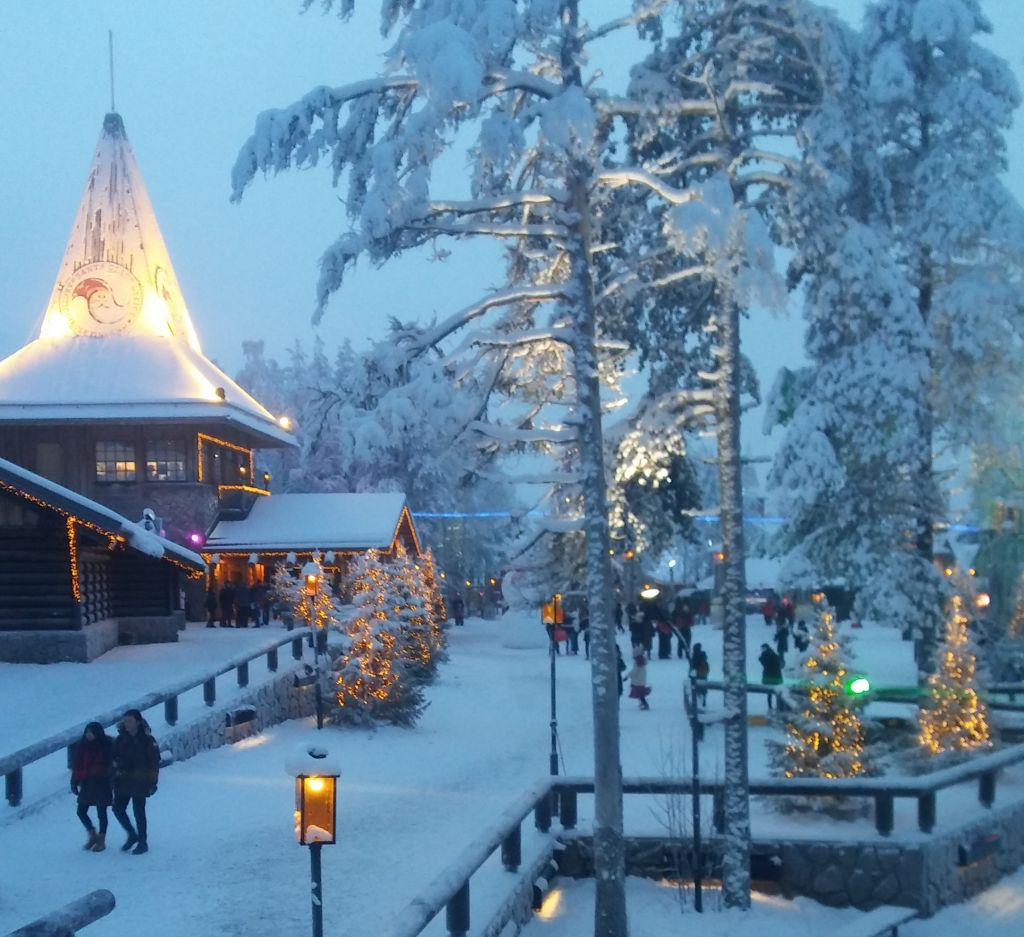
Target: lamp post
316	813
311	575
696	732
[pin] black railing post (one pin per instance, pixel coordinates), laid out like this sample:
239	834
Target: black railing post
171	710
987	788
512	849
13	787
457	912
210	691
567	808
243	674
272	660
718	810
542	814
926	812
297	647
884	813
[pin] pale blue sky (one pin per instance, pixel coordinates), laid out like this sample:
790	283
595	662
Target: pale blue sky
191	75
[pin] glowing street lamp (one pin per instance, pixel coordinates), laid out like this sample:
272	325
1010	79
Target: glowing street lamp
316	814
650	592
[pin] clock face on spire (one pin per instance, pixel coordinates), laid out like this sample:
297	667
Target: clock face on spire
101	298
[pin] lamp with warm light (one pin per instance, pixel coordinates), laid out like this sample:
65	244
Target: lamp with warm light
316	814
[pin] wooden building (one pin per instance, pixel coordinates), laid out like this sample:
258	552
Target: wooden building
115	401
77	578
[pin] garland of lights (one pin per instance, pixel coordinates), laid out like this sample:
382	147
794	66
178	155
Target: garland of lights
76	588
203	437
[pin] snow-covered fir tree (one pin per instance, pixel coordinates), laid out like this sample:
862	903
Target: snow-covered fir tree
953	721
943	104
417	645
824	735
371	680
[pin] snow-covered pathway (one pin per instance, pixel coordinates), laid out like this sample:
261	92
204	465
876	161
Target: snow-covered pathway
223	859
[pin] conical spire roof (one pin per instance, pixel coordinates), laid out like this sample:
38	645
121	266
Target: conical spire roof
116	341
116	277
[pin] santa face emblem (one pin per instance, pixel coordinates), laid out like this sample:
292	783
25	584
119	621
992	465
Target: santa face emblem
101	298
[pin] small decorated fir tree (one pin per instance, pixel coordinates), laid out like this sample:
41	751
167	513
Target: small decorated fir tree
410	610
371	683
954	721
825	739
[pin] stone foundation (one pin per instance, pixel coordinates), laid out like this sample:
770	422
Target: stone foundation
90	641
51	647
925	874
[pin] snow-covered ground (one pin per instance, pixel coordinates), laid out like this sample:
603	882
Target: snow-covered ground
222	854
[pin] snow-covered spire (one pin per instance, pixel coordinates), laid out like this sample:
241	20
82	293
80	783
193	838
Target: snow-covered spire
116	277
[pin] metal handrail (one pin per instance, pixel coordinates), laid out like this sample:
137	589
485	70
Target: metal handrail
11	765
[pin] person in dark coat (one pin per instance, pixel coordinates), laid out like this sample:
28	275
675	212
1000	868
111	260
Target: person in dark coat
211	607
664	630
584	628
782	639
771	671
90	780
242	602
621	666
617	616
136	770
801	636
226	599
700	668
683	627
458	611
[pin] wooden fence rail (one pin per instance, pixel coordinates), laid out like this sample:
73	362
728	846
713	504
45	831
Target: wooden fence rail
71	918
11	765
450	890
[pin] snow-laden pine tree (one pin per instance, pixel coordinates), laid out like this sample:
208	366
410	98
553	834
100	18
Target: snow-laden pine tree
513	74
952	720
942	104
758	69
824	735
417	645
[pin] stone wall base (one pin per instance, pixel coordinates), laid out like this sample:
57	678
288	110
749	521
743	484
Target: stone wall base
51	647
91	641
924	874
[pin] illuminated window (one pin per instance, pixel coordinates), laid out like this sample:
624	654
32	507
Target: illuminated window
115	462
165	460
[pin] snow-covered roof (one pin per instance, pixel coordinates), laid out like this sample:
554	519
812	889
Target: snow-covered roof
312	522
124	377
69	502
116	340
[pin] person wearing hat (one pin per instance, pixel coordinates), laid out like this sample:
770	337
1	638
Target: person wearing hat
771	671
136	770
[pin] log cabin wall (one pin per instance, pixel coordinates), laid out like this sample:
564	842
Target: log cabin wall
35	569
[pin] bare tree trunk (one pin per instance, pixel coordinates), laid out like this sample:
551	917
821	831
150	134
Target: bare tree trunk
736	859
610	918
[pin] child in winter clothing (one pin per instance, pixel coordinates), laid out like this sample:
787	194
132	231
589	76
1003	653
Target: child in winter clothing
638	688
700	667
90	780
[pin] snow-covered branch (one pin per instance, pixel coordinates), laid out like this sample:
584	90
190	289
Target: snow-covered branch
513	434
501	340
639	15
511	200
618	178
527	294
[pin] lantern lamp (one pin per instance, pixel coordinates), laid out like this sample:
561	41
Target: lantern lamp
311	577
650	592
982	600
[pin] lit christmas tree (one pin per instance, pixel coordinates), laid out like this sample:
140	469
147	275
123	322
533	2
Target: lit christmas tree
371	683
293	594
954	721
825	739
434	598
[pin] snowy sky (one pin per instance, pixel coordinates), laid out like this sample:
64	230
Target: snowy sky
190	78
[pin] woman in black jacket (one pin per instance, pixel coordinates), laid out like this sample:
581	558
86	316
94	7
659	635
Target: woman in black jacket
90	780
136	769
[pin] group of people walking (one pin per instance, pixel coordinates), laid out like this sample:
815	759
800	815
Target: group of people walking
234	605
115	772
